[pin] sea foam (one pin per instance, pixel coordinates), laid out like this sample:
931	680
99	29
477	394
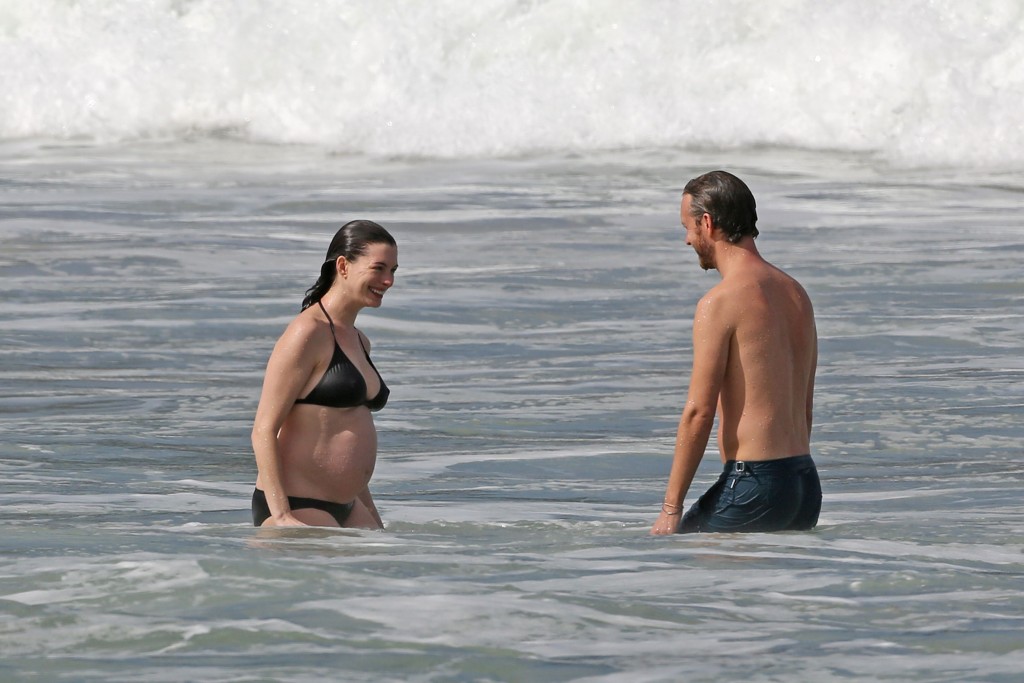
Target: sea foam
917	82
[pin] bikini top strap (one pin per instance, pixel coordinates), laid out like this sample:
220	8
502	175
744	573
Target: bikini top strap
329	321
365	352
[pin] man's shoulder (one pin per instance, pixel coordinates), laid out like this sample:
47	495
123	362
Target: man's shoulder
718	304
750	295
759	274
735	287
740	292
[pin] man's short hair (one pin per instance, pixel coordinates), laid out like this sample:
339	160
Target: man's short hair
728	201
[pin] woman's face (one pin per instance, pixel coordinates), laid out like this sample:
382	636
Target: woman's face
371	275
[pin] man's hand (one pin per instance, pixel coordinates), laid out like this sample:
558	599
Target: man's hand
668	523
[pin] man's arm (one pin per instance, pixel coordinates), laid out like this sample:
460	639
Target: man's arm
810	385
712	335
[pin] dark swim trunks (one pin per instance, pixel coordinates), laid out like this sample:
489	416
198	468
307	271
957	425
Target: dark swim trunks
261	510
770	495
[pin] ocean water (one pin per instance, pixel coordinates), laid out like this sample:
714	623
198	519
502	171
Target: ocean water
171	174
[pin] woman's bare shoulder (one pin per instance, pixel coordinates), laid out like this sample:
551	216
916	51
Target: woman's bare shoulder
305	333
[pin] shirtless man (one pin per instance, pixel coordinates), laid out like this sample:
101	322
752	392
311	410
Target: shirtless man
755	351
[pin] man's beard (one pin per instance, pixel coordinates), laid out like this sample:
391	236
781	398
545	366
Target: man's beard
705	254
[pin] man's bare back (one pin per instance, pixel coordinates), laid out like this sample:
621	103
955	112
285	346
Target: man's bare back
765	402
754	359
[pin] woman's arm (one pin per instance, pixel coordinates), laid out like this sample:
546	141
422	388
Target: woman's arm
367	499
290	366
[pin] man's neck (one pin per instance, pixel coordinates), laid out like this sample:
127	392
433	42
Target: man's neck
731	257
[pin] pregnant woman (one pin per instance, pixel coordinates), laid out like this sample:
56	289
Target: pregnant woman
313	437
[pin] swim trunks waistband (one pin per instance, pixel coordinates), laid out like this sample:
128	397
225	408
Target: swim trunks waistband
793	463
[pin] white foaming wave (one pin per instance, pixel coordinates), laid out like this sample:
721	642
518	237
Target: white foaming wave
920	82
84	583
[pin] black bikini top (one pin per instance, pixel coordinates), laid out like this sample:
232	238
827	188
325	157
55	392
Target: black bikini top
342	385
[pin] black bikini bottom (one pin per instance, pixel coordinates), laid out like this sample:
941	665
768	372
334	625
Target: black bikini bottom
261	511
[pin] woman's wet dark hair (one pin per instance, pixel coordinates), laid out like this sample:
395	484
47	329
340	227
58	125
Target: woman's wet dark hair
728	201
351	242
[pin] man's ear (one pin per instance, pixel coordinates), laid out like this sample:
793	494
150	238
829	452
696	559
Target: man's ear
707	226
